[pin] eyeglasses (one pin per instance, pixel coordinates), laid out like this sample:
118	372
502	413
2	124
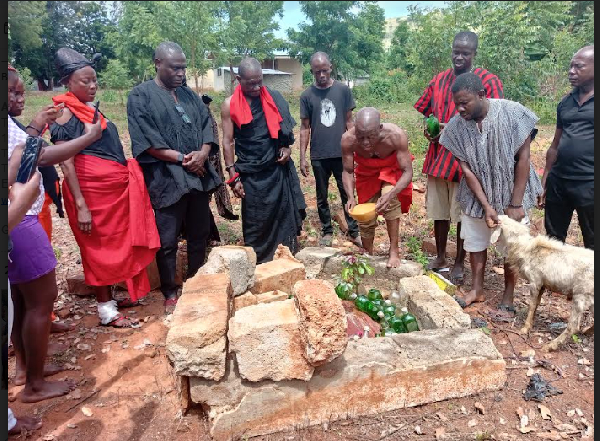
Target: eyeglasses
184	116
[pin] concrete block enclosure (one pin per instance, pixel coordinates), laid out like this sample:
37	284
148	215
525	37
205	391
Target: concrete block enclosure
259	364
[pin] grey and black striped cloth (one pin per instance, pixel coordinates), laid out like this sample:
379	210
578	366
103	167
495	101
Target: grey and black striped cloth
491	155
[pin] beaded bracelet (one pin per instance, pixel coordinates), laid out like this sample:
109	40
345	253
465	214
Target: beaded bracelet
234	180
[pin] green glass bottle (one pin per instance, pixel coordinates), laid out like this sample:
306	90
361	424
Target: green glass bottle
361	303
397	325
409	320
389	309
374	294
342	291
372	309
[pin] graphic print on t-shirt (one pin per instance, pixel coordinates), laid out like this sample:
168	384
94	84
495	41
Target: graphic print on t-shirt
328	113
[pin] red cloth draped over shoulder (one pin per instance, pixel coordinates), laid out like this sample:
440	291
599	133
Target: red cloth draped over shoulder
82	111
240	112
371	173
124	237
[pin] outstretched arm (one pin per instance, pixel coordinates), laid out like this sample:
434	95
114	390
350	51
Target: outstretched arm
405	163
228	146
491	217
348	173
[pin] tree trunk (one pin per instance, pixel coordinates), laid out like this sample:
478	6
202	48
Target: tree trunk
41	85
51	84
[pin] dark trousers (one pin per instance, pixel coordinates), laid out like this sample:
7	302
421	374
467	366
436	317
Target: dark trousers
563	196
323	169
191	210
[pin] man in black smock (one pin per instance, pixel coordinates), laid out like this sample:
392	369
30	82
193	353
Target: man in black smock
172	137
264	175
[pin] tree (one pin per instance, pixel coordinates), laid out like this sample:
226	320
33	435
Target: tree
246	29
397	56
350	32
75	24
116	77
25	24
193	26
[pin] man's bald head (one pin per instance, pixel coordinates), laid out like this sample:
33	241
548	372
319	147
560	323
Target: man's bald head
319	57
581	72
167	49
367	119
249	67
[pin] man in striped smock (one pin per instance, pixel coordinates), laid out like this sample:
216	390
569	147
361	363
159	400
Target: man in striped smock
441	167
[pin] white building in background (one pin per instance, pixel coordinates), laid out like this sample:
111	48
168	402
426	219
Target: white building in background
281	72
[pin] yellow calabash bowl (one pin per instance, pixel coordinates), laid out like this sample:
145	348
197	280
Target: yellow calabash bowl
364	212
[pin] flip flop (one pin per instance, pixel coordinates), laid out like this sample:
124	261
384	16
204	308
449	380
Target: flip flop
170	305
127	303
115	323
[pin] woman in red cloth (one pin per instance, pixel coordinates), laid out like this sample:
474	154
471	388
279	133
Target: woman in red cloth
105	197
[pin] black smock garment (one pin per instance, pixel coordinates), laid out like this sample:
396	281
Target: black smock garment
154	121
108	147
274	206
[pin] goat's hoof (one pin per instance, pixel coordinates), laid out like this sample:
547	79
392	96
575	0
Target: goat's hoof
524	330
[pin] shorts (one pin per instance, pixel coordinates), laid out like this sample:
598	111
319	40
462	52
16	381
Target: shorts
32	255
441	200
393	212
476	234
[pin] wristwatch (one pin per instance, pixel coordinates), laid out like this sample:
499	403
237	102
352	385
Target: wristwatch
180	158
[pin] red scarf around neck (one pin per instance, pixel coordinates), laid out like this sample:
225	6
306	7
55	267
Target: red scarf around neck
82	111
240	112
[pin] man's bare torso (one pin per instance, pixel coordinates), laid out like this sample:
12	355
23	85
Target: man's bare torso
390	141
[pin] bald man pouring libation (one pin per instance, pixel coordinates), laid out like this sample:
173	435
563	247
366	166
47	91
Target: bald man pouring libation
383	175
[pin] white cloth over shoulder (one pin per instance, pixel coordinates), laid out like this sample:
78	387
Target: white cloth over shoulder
490	154
16	136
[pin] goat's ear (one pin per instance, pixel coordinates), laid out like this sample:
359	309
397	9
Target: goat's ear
496	234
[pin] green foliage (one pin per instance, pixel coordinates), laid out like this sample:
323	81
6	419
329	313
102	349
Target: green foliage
25	75
115	76
385	87
415	248
25	25
355	269
350	32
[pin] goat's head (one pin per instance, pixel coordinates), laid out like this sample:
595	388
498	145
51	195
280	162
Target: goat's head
509	231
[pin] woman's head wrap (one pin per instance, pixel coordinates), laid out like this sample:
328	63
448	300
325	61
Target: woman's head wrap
68	61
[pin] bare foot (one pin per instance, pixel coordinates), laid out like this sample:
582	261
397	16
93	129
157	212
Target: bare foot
393	262
49	370
457	275
470	298
437	263
121	322
46	390
27	424
60	328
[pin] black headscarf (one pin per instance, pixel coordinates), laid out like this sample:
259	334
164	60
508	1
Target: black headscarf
68	61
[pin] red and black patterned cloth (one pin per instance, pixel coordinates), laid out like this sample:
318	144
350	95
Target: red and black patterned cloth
437	99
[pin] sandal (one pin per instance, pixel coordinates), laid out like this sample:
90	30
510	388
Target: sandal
127	303
118	322
170	305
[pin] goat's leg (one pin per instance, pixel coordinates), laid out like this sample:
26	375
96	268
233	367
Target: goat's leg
535	297
581	303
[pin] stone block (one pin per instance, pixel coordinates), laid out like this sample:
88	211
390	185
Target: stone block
277	275
284	252
238	262
430	248
433	308
197	340
314	259
323	321
267	344
76	285
272	296
384	278
371	377
357	320
247	299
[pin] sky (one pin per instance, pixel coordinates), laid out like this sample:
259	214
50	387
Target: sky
292	15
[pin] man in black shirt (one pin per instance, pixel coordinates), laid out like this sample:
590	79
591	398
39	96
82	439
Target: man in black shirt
569	175
172	137
326	113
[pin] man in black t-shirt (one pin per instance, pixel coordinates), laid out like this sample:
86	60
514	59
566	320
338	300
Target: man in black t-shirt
569	175
326	113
